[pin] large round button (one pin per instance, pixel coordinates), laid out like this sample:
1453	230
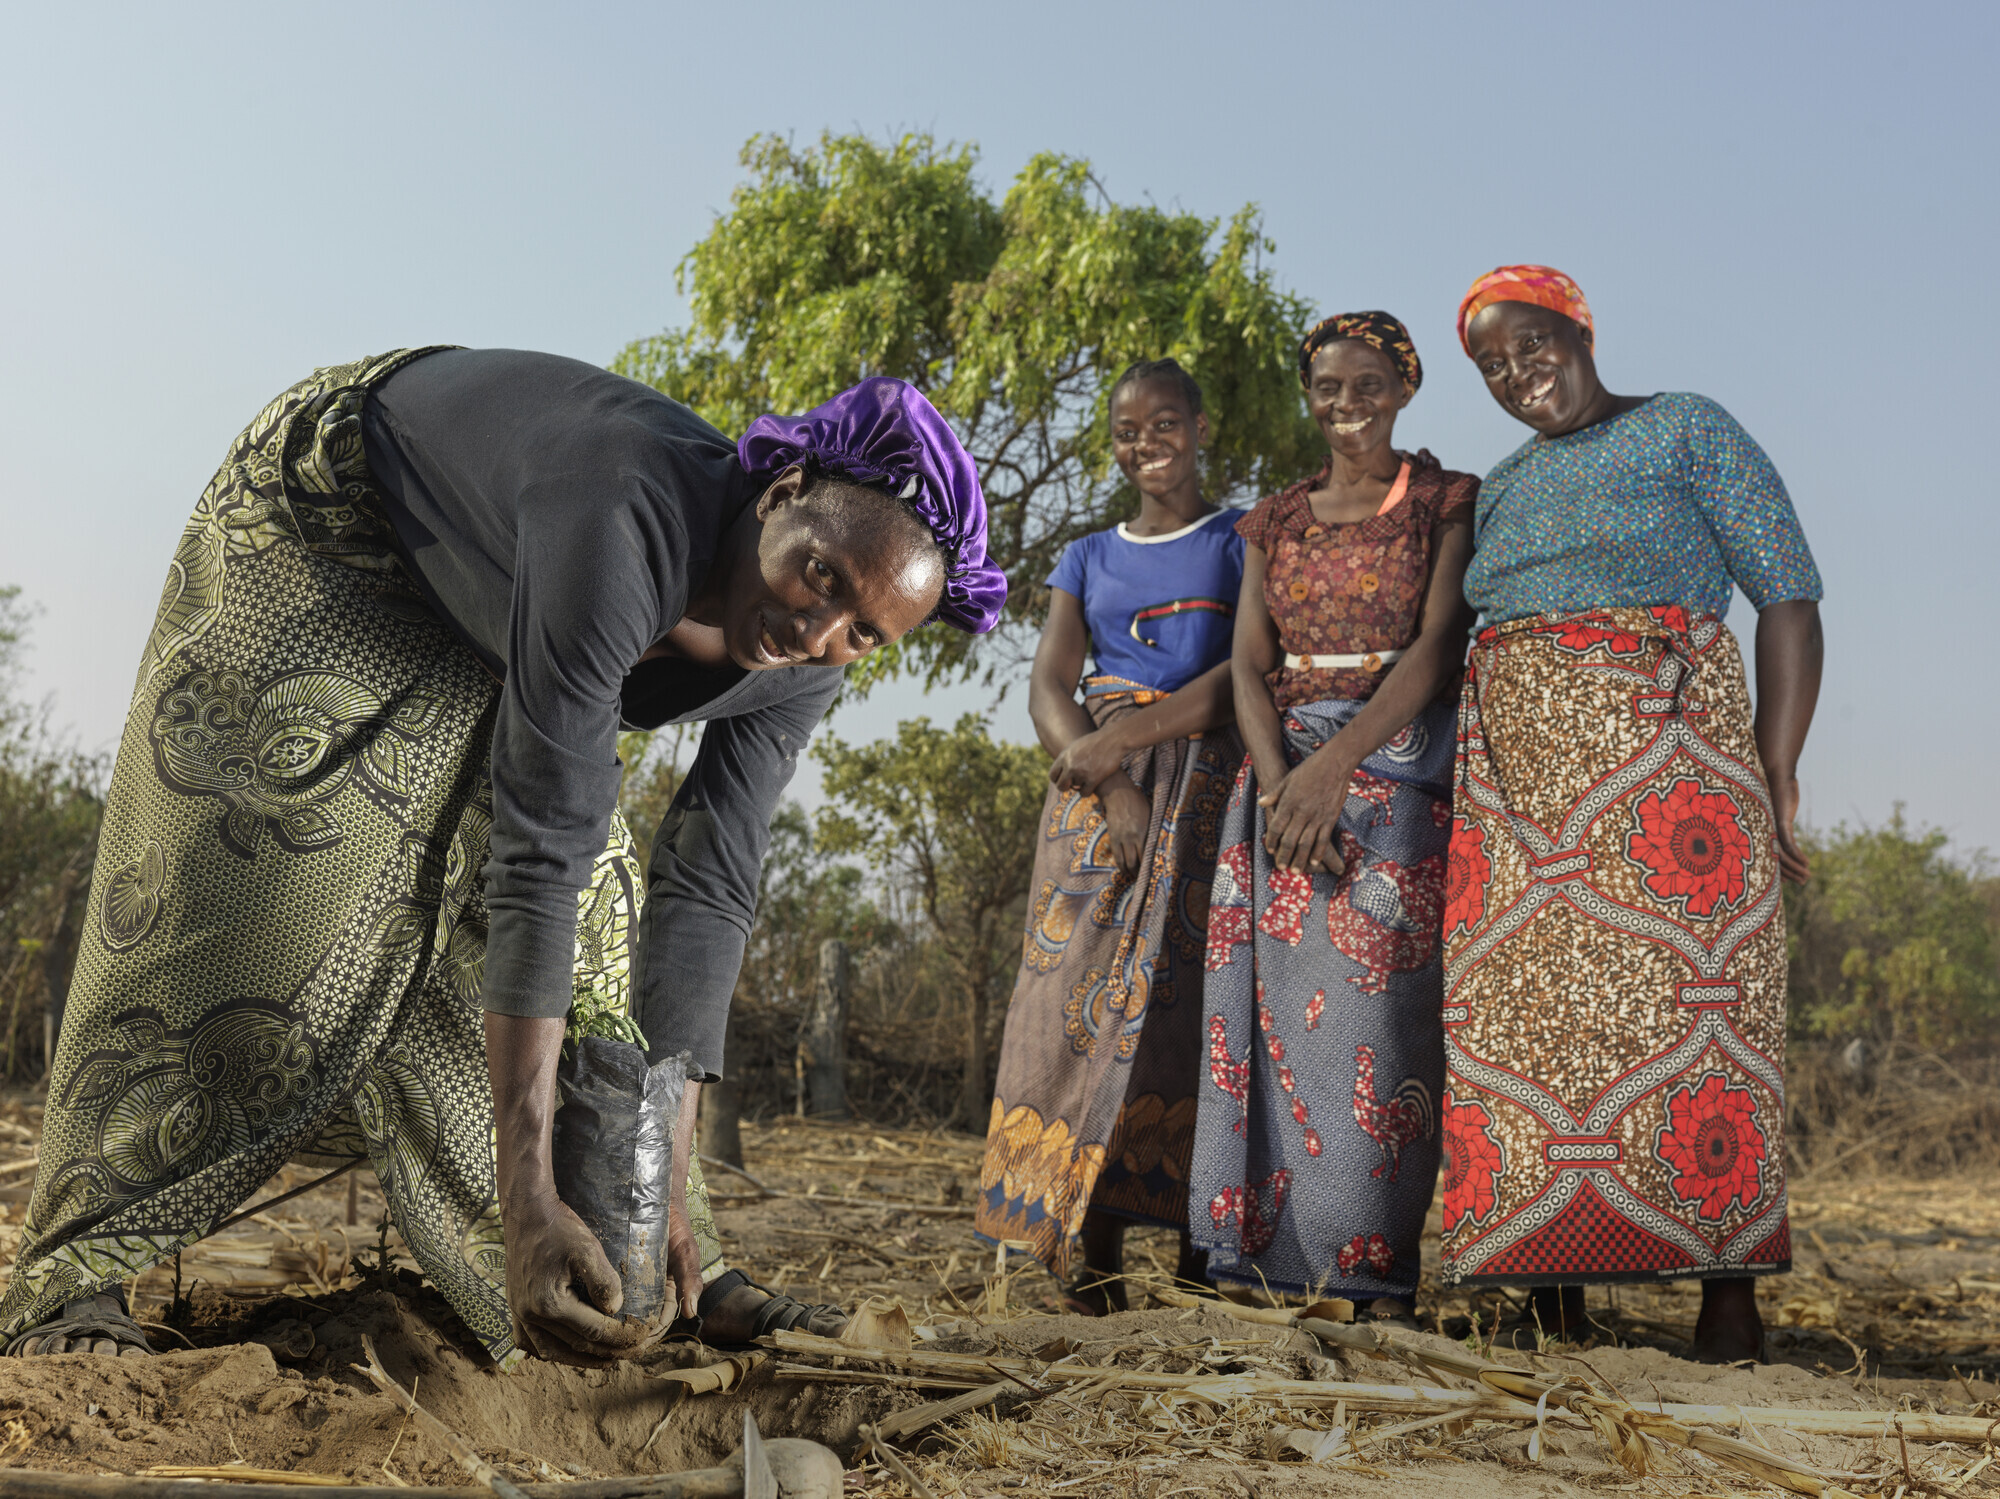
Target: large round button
1298	591
1368	582
1313	533
1371	662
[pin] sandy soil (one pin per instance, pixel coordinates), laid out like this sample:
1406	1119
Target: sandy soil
1894	1303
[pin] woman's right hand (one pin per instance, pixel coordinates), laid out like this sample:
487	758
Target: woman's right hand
562	1293
1127	815
1302	813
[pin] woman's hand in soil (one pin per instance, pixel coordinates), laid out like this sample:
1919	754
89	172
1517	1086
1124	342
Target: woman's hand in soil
1088	762
561	1290
1127	815
1302	814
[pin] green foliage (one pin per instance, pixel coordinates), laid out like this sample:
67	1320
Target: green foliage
805	897
1893	940
592	1012
953	813
653	773
857	257
952	810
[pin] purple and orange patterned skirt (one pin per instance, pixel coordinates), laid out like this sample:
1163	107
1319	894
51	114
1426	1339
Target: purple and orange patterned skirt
1094	1105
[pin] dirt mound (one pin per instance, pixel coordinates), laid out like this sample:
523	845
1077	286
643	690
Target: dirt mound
285	1397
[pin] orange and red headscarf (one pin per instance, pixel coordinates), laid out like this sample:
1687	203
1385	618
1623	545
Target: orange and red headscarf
1538	285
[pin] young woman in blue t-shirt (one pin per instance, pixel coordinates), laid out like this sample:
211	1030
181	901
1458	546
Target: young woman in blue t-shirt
1093	1116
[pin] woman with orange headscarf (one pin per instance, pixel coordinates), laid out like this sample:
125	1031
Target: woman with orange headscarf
1615	946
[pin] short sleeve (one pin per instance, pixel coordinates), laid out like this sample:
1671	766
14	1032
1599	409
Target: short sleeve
1256	528
1456	497
1072	568
1744	501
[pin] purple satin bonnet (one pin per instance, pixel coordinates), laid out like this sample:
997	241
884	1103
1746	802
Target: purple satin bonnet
884	432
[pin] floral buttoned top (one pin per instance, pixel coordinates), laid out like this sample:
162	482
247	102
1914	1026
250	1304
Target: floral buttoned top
1353	588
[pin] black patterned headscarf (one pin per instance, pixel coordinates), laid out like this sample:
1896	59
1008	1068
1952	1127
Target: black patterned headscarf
1376	329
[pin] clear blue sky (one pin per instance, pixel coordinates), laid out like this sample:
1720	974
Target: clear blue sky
1790	208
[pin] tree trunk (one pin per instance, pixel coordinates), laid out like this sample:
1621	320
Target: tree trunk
721	1128
823	1038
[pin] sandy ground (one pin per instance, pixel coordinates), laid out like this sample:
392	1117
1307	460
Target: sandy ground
1894	1303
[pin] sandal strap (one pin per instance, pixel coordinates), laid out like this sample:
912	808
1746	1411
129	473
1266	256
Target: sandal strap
782	1313
721	1286
86	1316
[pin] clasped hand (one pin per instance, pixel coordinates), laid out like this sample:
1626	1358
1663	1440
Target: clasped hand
1302	813
1089	761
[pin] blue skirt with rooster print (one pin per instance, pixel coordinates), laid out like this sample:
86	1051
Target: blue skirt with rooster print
1316	1141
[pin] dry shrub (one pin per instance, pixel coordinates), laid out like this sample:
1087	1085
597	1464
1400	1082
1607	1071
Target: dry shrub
49	809
1908	1110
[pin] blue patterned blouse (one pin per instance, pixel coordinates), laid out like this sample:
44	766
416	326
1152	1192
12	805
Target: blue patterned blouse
1667	504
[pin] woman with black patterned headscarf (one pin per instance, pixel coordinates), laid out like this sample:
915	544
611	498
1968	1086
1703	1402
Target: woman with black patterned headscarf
1316	1145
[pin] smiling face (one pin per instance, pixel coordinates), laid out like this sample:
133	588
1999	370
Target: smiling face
1155	438
829	574
1538	365
1354	395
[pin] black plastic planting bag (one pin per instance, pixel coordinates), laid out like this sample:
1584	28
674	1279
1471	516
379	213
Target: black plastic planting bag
614	1158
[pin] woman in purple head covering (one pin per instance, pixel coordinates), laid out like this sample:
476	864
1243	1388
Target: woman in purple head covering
362	854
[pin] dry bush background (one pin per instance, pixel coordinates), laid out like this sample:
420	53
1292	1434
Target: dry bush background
51	796
1894	1059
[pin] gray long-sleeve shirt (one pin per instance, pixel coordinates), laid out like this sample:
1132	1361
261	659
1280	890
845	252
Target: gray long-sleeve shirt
561	517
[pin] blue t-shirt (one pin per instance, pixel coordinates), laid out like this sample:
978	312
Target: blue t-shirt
1668	503
1161	609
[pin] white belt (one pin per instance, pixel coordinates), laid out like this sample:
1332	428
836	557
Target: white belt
1373	661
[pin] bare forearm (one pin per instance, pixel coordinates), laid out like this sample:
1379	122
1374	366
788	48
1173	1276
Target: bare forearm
1258	721
1060	720
1790	653
1203	704
521	1057
684	1143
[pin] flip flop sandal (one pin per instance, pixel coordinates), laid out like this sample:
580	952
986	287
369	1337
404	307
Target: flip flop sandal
88	1324
779	1313
1397	1315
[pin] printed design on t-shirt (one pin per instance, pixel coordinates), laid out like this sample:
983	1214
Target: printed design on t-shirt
1177	606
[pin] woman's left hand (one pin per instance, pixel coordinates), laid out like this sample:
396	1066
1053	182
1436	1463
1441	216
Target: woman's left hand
1301	817
1792	863
1088	762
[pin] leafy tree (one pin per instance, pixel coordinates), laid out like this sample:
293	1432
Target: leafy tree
1893	940
653	773
953	812
858	257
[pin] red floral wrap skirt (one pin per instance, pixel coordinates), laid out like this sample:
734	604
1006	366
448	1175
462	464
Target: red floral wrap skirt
1614	1006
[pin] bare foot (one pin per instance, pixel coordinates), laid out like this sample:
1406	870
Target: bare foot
1095	1289
1729	1328
1558	1312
